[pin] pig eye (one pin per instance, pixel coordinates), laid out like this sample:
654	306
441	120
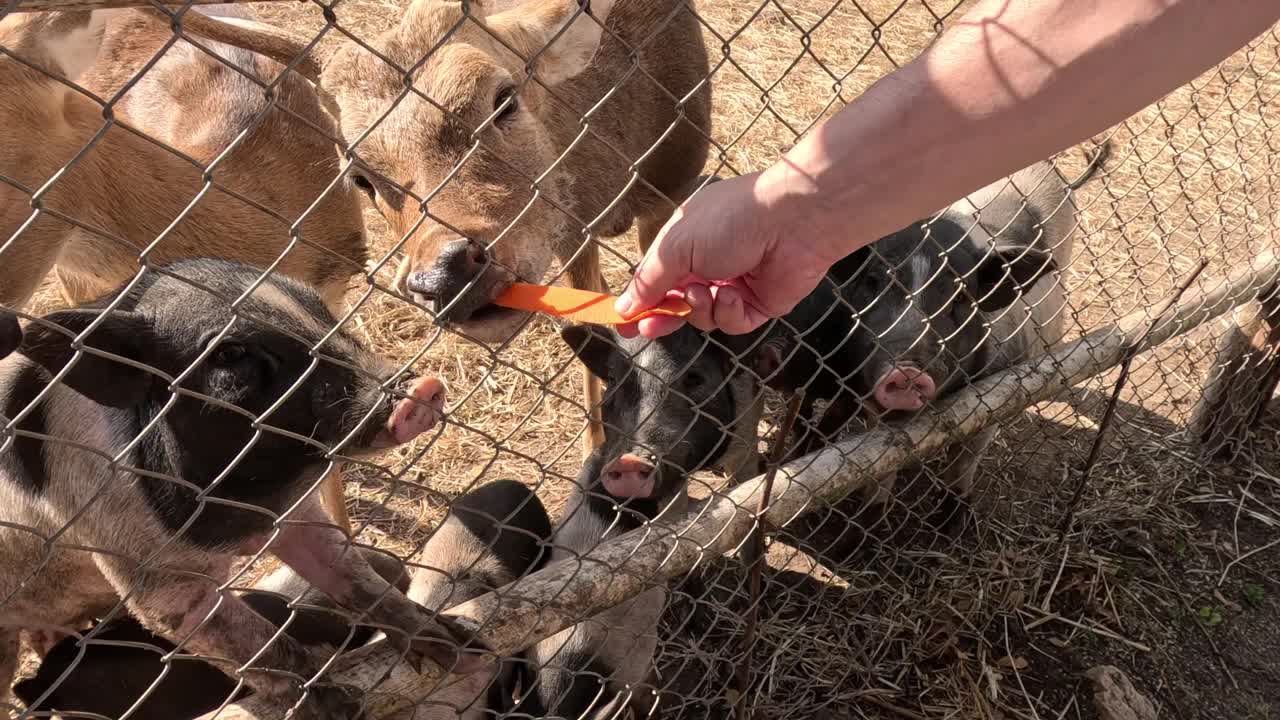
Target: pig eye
238	356
229	354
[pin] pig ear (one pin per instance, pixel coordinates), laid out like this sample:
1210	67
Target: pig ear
1006	273
564	34
100	379
28	690
593	346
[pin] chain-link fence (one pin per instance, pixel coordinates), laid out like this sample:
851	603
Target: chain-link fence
997	456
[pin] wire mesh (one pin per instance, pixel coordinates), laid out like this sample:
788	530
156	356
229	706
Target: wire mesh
165	445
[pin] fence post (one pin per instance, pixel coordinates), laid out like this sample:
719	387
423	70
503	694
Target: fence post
1242	380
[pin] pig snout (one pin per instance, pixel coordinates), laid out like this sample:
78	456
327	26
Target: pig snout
905	387
629	476
415	414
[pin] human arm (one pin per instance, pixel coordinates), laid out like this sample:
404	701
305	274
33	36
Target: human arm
1012	82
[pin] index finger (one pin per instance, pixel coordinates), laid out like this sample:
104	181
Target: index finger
652	326
661	270
655	325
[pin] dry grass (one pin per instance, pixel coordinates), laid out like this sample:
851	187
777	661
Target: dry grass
907	623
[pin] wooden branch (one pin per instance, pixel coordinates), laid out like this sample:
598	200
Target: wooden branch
62	5
565	592
1109	413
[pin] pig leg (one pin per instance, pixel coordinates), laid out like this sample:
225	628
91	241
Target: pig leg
834	421
962	460
743	461
747	465
803	434
327	560
879	492
961	466
187	609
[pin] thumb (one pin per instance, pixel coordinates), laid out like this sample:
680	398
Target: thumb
664	266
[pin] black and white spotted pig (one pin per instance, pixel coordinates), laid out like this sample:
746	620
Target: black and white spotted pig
105	676
154	528
945	302
672	406
861	338
585	671
492	536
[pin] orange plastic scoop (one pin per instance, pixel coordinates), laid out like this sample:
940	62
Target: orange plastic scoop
579	305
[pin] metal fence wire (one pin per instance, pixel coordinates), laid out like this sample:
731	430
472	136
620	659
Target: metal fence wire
1031	472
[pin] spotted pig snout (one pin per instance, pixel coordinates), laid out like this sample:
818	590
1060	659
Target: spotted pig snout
905	387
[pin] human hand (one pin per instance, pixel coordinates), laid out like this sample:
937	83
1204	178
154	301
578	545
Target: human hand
733	254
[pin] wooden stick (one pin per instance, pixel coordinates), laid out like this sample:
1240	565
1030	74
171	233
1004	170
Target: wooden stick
560	595
755	556
1099	437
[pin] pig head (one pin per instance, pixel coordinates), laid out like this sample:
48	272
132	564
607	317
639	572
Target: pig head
919	303
675	405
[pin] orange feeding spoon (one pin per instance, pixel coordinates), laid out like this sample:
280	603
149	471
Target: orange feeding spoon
579	305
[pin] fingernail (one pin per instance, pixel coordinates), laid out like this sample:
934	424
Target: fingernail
622	305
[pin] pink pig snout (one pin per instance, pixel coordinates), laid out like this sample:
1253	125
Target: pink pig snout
629	476
415	414
905	387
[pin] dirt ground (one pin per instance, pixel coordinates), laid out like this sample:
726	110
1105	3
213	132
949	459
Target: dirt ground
1172	569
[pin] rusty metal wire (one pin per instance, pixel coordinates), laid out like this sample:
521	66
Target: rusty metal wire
913	566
